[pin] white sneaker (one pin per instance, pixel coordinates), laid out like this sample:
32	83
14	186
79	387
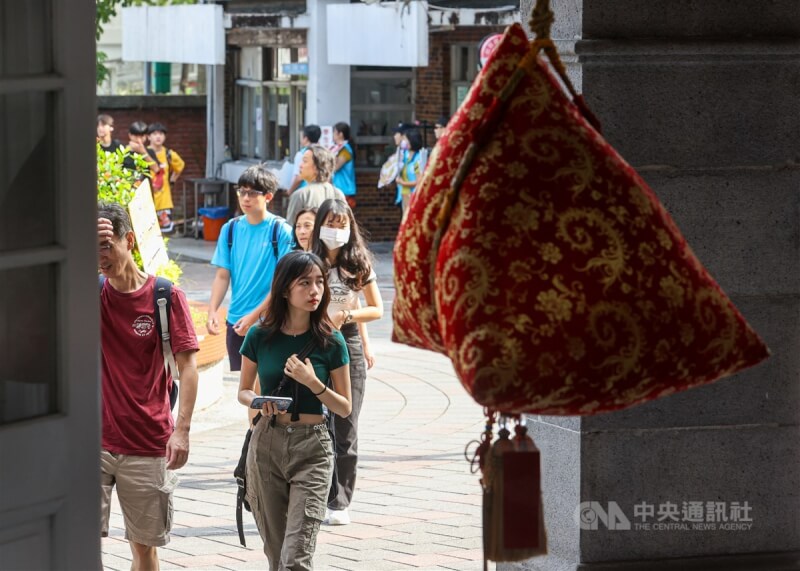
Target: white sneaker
336	517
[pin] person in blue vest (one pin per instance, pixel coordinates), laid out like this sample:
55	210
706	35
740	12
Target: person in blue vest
410	169
344	176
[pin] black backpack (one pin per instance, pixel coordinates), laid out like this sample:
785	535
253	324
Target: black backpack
162	301
276	224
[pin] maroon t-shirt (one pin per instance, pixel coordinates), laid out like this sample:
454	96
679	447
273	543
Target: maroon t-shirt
136	416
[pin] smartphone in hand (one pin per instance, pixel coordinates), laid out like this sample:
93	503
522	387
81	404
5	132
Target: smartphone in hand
283	403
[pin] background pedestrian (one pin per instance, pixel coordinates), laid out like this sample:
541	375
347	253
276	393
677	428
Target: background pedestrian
338	241
344	177
169	166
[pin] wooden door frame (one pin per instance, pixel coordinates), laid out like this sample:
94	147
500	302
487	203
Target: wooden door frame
51	476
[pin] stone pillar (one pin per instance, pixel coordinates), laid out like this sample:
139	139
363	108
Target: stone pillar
328	91
701	96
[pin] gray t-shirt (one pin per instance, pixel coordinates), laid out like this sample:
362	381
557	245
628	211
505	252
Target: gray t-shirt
342	297
310	196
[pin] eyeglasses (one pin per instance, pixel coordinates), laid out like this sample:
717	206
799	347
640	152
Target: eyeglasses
247	192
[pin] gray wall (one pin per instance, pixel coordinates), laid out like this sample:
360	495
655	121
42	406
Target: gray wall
702	97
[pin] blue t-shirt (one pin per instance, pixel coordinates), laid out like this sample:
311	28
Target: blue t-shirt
251	261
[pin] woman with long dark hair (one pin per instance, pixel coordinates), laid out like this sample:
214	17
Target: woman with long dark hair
338	241
303	235
290	459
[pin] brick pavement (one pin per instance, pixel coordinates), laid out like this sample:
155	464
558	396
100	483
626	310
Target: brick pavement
416	505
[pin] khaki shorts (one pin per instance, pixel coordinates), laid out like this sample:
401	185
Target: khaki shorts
144	488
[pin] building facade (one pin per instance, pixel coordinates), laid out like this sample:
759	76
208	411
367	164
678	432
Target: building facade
292	63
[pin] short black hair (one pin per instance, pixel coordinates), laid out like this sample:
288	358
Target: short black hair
138	128
414	139
259	177
312	133
344	129
153	127
443	120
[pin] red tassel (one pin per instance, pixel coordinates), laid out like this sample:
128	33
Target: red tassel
514	518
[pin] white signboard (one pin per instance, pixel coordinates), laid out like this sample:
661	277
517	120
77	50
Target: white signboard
146	228
326	136
389	34
174	34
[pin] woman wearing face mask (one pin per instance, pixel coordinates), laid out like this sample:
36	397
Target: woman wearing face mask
338	241
316	168
410	170
303	230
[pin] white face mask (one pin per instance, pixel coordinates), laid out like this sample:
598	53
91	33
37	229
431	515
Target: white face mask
404	144
334	237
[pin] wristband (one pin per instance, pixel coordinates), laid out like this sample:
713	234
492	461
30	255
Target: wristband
324	388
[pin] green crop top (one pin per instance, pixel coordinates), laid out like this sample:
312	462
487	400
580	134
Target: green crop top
270	357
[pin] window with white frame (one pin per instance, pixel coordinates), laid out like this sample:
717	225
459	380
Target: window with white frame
380	98
463	70
270	102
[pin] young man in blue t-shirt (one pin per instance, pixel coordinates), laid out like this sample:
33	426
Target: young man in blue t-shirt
248	264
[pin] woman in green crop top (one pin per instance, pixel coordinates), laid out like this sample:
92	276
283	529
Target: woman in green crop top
290	459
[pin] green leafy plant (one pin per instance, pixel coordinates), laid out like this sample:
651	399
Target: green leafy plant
199	317
115	183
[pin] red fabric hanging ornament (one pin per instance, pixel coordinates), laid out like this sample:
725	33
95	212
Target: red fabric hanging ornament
513	516
543	265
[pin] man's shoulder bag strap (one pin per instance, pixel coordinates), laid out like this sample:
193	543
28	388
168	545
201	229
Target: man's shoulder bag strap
276	224
163	302
231	227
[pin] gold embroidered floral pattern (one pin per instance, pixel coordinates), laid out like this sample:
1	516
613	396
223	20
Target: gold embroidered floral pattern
557	284
549	252
554	305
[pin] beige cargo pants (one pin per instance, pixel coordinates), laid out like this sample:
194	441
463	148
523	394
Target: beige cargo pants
288	476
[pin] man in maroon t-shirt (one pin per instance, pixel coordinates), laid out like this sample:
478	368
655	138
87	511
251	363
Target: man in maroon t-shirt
141	444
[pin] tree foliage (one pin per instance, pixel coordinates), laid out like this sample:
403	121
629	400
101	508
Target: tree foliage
115	183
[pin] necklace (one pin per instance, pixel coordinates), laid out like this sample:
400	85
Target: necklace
287	331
